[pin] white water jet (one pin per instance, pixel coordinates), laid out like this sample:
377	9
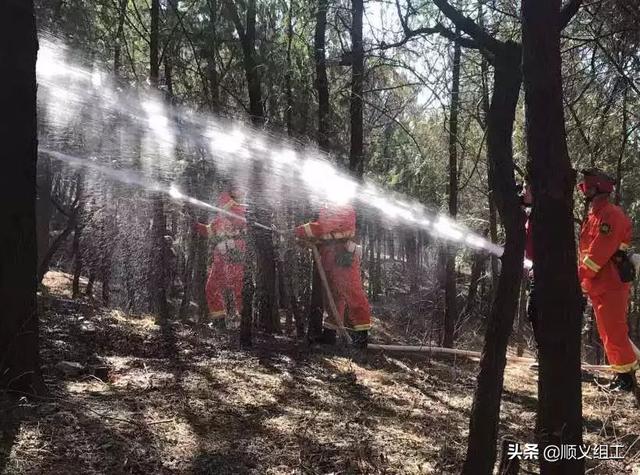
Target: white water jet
145	137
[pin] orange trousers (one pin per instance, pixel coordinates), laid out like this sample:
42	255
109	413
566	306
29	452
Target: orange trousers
610	309
224	275
346	287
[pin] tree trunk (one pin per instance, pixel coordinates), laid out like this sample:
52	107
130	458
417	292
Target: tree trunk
412	260
200	276
289	72
212	49
154	45
493	215
356	154
322	83
188	270
316	308
483	427
77	260
477	267
43	208
262	238
55	245
109	232
293	302
157	265
77	233
451	310
623	146
92	279
522	316
19	353
117	44
507	465
246	317
559	418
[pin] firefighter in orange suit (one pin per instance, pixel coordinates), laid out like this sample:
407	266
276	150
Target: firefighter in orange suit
604	272
334	232
227	267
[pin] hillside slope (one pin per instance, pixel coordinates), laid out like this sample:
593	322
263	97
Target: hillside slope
149	399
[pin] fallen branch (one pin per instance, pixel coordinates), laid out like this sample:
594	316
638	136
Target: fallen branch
469	353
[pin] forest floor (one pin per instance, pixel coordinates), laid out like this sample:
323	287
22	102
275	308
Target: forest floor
152	399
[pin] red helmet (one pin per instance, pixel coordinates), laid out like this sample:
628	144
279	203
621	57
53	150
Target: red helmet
596	180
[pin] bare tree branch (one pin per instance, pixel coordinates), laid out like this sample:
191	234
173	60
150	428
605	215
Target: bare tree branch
470	27
568	12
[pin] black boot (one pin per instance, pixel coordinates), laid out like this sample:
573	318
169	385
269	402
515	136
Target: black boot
360	339
622	382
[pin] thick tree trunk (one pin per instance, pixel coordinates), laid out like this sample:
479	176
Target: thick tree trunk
315	310
262	238
559	418
19	354
483	428
157	265
451	310
356	154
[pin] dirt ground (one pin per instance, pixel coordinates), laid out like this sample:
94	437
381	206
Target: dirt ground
152	399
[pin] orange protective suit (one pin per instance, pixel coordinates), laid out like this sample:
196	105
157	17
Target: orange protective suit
606	230
227	267
334	231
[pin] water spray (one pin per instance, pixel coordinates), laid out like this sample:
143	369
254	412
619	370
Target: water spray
137	126
131	178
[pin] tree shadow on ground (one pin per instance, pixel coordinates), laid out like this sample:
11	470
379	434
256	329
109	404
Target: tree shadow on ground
223	463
